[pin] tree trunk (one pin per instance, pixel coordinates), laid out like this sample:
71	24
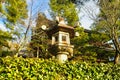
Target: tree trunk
37	52
116	43
116	58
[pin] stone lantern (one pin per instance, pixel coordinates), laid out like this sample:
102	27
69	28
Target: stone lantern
60	38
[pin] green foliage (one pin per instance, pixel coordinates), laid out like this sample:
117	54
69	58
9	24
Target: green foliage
13	13
0	7
80	2
35	69
97	38
82	38
96	53
66	9
14	10
108	23
4	36
39	41
109	17
4	45
79	41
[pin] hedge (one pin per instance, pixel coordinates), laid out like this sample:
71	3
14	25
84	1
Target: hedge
12	68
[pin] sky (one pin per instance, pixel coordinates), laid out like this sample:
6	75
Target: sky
43	6
1	25
86	19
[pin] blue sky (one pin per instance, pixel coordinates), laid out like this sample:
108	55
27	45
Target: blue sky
1	24
41	6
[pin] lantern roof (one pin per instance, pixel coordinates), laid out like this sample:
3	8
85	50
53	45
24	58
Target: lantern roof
61	27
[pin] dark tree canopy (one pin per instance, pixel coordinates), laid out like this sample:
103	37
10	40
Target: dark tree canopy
39	42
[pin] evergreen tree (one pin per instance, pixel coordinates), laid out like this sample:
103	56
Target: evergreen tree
13	13
14	10
39	42
65	9
80	40
109	22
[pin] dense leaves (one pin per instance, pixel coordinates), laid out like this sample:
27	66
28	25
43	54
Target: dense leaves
98	39
109	20
79	41
4	36
66	9
4	44
12	13
19	68
14	10
82	37
39	42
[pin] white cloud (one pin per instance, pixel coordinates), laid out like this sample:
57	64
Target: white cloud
88	14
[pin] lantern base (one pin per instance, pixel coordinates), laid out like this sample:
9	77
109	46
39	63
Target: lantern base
62	57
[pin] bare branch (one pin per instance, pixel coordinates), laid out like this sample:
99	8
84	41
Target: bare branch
91	12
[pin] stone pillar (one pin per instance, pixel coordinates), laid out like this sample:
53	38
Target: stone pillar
68	39
60	38
62	57
53	40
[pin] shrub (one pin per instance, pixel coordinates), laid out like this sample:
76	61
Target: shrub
12	68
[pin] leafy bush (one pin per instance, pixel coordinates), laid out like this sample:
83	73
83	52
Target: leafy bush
12	68
95	53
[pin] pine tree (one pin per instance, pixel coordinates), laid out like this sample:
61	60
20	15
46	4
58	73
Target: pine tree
13	13
39	42
109	22
65	9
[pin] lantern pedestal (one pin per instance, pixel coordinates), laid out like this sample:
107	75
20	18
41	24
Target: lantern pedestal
62	57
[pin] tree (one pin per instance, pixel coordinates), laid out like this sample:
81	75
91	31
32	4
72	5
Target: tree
34	7
4	36
80	40
66	9
13	13
39	42
97	39
109	22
